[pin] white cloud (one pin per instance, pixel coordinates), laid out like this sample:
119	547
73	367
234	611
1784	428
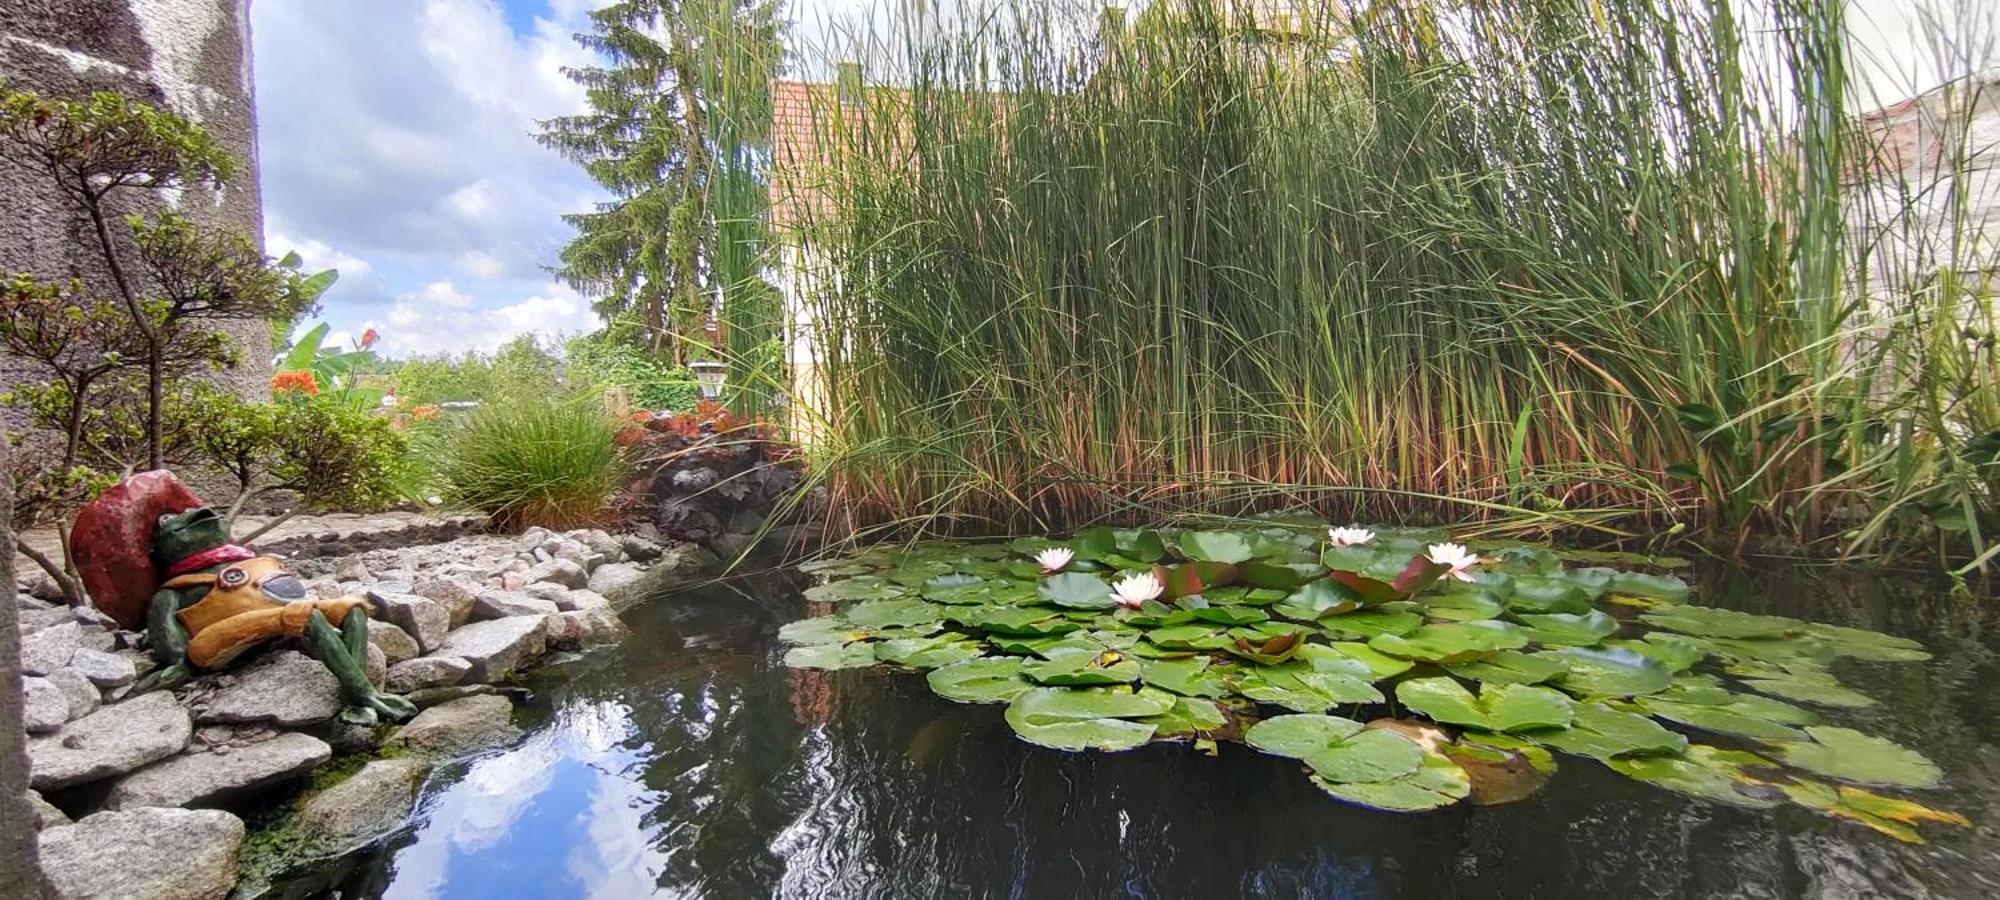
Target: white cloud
442	318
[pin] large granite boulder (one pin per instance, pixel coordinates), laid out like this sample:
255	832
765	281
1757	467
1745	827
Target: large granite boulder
421	618
455	596
497	647
614	580
220	774
285	688
144	854
53	647
426	672
460	728
502	604
112	542
395	643
372	802
111	741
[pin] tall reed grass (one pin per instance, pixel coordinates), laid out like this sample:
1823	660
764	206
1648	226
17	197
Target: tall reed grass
1617	265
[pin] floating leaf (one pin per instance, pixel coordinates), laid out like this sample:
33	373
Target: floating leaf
1188	716
1016	620
1823	691
1600	732
1509	667
1547	595
1609	672
1722	719
1191	677
1452	641
1077	590
1499	707
865	587
1368	623
1437	782
988	680
1082	667
1322	597
1338	750
893	613
1569	629
1085	718
1700	771
1719	623
1216	546
1189	637
1677	652
1278	576
833	629
1380	664
1654	587
1229	615
1308	691
831	656
1869	645
1849	755
1462	607
928	652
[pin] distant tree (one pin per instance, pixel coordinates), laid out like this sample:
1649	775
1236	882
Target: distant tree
659	136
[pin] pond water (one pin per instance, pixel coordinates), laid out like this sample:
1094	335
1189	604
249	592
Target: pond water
688	761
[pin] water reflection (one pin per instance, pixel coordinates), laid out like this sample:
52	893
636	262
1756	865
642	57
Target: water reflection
689	762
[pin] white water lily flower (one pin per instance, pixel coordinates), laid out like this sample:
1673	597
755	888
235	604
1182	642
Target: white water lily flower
1351	536
1133	591
1054	559
1457	557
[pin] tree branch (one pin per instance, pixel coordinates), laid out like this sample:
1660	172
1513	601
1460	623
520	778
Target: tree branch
72	591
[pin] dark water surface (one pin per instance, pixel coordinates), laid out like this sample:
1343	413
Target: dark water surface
689	762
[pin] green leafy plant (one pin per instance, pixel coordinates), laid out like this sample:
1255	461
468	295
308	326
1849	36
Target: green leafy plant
532	460
1488	681
331	454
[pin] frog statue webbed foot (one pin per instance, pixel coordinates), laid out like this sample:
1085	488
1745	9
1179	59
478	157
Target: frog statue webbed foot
344	651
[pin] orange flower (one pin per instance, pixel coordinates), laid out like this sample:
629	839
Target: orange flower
369	337
301	381
423	413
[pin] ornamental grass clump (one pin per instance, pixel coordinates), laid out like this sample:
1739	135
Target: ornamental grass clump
525	461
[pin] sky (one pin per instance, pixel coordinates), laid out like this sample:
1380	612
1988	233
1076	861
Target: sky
395	143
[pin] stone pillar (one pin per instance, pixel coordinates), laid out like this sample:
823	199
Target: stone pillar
17	838
189	56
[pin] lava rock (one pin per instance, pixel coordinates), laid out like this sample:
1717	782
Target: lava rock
111	741
497	647
460	728
210	778
285	688
144	854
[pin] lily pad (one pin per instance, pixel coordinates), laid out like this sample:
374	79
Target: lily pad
831	656
989	680
1499	707
1229	615
1720	719
1609	672
1082	667
1849	755
1216	546
1437	782
1869	645
1509	667
1309	691
1368	623
893	613
1379	664
1700	771
1600	732
1338	750
1823	691
1452	641
1188	716
1077	590
1190	677
1569	629
928	652
1888	815
1189	637
833	629
1085	718
1318	598
1720	623
1462	607
1016	620
863	587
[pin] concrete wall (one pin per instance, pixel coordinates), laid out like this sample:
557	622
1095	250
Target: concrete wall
189	56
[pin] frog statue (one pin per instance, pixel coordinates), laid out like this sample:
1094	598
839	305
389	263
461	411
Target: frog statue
220	600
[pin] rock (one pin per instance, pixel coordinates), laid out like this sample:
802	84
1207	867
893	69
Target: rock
347	738
285	688
547	590
374	801
582	599
496	648
584	557
513	581
106	670
395	643
44	705
33	620
534	537
353	569
206	779
112	539
502	604
111	741
51	648
581	628
639	548
84	697
602	543
566	572
429	697
375	667
460	728
46	813
614	579
144	854
421	618
426	672
455	596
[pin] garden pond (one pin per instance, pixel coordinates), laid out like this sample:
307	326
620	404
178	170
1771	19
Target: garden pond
693	760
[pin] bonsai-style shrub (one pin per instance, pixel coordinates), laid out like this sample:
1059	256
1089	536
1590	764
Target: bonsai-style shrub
333	455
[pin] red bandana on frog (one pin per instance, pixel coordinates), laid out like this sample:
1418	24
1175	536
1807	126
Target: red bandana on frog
227	553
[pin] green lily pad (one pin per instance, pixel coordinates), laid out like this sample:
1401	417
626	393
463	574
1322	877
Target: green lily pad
1600	732
1229	615
1719	623
1700	771
1462	607
1082	668
1720	719
1338	750
1849	755
833	629
1379	664
1367	623
1216	546
1438	782
1653	587
1142	546
988	680
863	587
1535	595
1677	652
1509	667
1889	815
1869	645
1499	707
1452	641
831	656
1189	677
1823	691
1016	620
1260	573
1188	717
1310	692
1595	672
1085	718
893	613
1569	629
1189	637
928	652
1077	590
1318	598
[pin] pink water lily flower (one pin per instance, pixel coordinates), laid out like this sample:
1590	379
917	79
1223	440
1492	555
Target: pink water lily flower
1350	536
1054	559
1455	556
1133	591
